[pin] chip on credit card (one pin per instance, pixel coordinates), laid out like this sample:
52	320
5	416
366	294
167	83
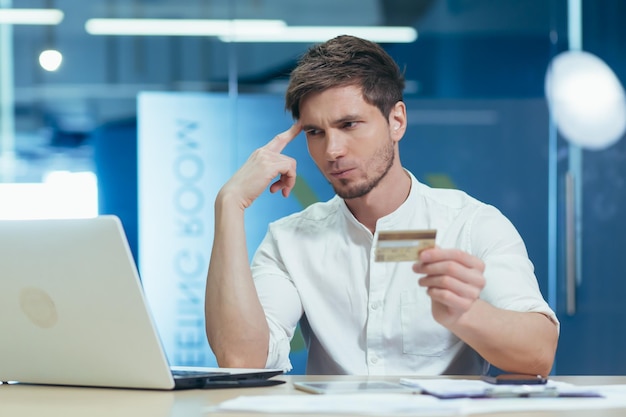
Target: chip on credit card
403	245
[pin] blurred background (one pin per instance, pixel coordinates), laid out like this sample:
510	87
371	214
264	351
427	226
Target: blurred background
483	117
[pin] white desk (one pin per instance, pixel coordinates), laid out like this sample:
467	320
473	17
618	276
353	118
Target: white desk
50	401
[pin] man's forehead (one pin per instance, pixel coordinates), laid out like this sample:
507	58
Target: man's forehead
336	104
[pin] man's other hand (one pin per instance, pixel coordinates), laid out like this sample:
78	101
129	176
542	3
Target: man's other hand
454	280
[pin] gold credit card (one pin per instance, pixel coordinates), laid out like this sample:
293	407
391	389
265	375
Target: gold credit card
403	245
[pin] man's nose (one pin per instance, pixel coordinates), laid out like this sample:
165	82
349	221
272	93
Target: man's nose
335	145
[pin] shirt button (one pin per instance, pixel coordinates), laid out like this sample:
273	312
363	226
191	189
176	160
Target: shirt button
374	360
375	305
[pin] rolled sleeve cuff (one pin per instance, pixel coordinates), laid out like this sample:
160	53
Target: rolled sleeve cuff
278	352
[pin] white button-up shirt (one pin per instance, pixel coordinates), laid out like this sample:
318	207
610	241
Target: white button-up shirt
364	317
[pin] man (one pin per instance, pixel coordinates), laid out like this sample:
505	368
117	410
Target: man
473	298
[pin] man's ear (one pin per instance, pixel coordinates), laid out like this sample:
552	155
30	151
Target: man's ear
397	121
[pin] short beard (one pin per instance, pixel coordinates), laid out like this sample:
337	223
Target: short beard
384	155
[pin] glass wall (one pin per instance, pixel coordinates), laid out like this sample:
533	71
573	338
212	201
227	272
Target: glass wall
478	118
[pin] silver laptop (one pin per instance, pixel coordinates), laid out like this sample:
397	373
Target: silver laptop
73	312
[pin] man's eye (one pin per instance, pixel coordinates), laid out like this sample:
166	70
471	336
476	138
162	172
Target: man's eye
348	125
313	132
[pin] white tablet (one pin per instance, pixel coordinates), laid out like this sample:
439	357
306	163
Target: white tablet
352	387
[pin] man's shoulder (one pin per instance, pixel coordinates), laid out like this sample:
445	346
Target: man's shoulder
459	205
450	198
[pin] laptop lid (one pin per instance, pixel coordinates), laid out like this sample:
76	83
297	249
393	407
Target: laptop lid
72	309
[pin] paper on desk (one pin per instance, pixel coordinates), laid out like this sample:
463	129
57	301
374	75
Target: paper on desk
388	404
614	397
451	388
472	388
363	404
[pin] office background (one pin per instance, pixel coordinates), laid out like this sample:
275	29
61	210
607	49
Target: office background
478	121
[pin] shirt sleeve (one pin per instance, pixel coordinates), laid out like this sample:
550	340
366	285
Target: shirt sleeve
511	281
280	300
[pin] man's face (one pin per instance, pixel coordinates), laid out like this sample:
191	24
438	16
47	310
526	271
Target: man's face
350	140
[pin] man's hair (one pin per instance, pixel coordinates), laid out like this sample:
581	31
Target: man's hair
346	61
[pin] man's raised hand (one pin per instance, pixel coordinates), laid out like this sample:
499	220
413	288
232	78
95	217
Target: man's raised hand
265	164
287	178
454	280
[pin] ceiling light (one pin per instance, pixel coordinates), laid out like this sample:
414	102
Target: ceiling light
181	27
246	30
586	100
312	34
50	59
31	16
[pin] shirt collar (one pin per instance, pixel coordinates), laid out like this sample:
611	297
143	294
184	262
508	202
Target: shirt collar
394	220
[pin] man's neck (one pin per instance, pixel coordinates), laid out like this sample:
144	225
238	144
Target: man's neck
385	198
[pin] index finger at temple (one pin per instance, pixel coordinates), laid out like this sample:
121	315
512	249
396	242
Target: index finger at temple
278	143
